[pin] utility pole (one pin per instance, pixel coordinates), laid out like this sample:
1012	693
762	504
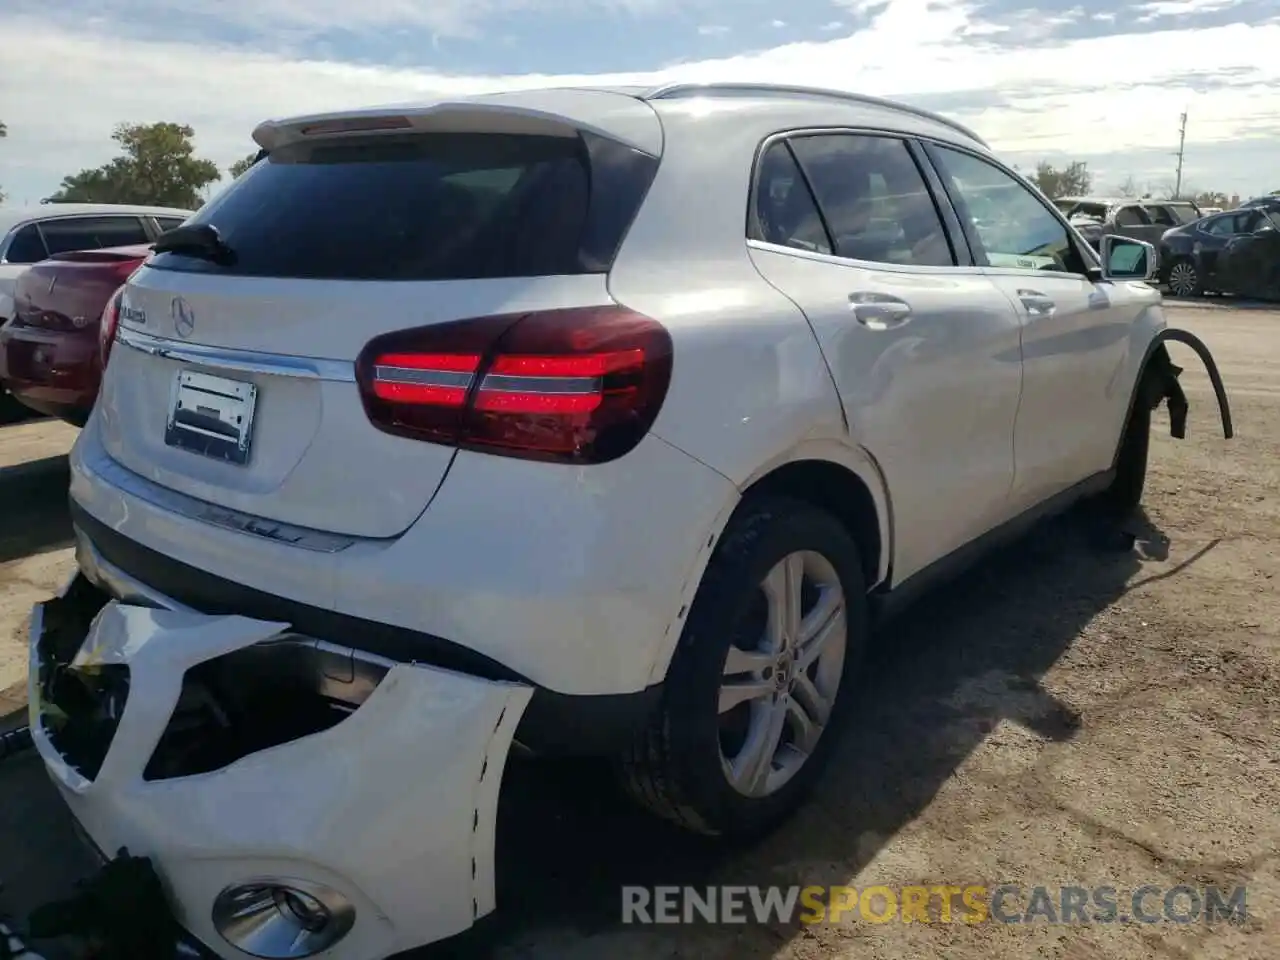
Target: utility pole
1182	143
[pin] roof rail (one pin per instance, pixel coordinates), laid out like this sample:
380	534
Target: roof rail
687	89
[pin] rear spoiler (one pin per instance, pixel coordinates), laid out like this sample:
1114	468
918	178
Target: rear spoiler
565	112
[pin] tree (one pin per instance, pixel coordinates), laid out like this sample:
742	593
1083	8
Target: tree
1213	198
1129	190
1073	180
159	167
241	165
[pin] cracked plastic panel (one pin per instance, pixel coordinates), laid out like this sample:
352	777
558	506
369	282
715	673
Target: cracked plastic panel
395	806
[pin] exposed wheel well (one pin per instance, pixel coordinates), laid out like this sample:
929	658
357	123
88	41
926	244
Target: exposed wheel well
837	490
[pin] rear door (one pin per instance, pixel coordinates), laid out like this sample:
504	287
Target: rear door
1250	263
923	348
1075	332
1132	221
337	241
1162	218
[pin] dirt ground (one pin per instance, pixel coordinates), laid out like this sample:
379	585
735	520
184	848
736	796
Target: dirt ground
1068	713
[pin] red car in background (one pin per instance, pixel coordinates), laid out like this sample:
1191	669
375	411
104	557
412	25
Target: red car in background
51	351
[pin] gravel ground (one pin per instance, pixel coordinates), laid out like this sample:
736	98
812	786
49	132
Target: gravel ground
1065	714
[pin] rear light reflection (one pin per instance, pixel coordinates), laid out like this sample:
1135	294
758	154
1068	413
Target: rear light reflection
107	327
581	385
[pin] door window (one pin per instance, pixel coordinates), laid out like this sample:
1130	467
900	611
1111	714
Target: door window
26	246
66	234
1221	226
1162	217
1012	225
1247	222
1131	217
169	223
874	199
785	212
1185	212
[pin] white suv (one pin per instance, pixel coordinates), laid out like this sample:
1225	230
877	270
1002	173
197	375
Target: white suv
604	421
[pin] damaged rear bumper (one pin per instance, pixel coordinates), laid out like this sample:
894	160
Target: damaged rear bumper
233	753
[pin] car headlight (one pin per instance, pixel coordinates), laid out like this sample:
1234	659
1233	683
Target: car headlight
282	918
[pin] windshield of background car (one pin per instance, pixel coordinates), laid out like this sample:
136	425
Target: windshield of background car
432	206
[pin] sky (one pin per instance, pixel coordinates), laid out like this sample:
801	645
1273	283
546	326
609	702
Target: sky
1102	81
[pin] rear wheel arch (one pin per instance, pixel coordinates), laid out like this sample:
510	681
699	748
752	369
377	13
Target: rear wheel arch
826	475
839	491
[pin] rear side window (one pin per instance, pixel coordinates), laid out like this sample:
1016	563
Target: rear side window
1161	216
1185	212
438	206
1131	217
874	199
26	246
785	212
168	223
67	234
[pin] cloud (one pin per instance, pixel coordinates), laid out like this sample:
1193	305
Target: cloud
1097	96
713	30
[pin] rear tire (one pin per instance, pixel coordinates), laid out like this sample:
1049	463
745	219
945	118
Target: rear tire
731	689
1184	278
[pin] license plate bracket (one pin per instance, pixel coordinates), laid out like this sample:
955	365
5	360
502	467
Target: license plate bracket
211	416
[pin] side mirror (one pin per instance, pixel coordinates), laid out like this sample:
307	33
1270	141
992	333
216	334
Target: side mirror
1127	259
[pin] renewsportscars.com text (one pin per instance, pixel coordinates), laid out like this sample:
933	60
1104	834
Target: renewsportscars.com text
935	903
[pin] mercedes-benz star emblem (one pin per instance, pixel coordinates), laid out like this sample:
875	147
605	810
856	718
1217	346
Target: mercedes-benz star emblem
184	318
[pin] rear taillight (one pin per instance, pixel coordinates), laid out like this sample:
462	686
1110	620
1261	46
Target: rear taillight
580	385
107	327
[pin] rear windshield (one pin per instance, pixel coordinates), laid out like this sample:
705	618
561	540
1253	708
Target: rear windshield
438	206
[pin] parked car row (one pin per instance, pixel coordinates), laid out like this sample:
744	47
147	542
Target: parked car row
59	266
1200	250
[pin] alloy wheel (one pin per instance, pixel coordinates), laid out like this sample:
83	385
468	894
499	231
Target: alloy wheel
1183	279
781	677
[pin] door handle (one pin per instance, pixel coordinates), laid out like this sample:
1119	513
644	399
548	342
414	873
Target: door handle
878	311
1037	304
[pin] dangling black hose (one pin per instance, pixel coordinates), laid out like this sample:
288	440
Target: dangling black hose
14	742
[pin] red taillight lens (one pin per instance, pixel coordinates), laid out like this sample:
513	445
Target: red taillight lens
107	326
581	385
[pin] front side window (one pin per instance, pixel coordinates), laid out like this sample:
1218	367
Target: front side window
66	234
874	199
785	212
1014	227
26	246
1221	226
1131	217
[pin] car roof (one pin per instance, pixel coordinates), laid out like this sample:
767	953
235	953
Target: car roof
12	216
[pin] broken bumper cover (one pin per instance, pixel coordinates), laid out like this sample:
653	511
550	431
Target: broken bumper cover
393	805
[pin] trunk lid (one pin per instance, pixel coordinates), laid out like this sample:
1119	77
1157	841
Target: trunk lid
69	291
336	243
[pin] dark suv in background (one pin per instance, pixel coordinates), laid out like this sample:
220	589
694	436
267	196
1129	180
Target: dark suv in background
1145	220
